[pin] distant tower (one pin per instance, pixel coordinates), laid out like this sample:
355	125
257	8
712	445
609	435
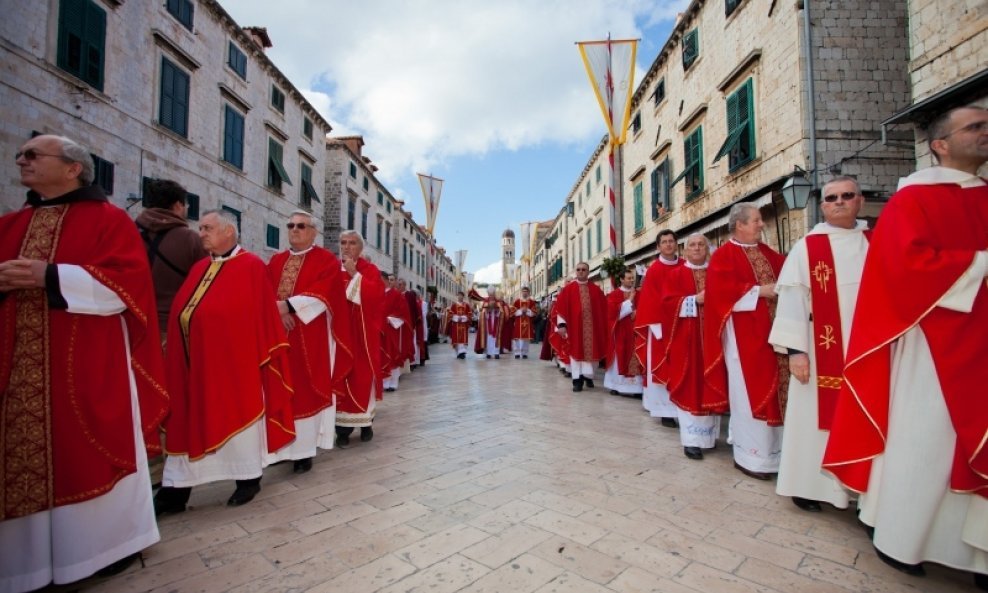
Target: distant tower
507	253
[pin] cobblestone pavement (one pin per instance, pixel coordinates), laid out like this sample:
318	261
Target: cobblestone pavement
492	476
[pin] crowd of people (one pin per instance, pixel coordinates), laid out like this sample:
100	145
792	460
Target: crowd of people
850	369
136	354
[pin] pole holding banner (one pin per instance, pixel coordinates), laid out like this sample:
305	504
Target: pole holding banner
432	189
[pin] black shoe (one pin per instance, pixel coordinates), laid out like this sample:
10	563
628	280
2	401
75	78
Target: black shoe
245	492
302	465
389	389
517	356
120	565
577	385
812	506
497	356
488	356
342	440
461	355
614	392
171	500
915	570
693	452
981	581
588	383
524	356
670	423
757	475
366	434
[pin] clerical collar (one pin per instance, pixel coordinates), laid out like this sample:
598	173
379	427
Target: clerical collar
625	289
740	244
229	254
582	281
89	193
668	262
702	266
303	252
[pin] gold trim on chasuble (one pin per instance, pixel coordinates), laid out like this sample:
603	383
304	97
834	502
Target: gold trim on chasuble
25	412
185	317
289	276
587	313
764	274
700	280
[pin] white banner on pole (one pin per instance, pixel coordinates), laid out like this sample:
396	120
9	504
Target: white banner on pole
432	189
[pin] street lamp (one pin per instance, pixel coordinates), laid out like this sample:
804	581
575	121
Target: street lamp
796	190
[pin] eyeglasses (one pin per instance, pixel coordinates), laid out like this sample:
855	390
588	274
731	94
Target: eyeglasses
298	225
977	127
846	196
31	154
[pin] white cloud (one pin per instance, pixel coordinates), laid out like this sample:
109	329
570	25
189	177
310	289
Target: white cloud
427	80
489	274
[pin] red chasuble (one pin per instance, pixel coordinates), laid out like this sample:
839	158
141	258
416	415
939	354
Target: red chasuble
227	358
650	311
523	328
926	239
732	272
682	370
317	274
396	344
584	309
459	331
621	346
65	410
365	322
553	342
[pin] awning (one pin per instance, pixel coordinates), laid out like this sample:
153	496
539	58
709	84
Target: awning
309	191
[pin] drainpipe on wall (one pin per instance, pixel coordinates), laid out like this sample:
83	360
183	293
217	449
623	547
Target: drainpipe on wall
811	103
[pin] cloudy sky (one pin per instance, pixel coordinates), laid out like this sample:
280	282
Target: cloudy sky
490	96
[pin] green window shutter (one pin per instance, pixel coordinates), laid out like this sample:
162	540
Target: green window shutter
589	241
273	237
233	137
307	128
304	197
666	189
600	229
353	170
639	208
694	168
691	48
82	40
193	211
173	112
655	180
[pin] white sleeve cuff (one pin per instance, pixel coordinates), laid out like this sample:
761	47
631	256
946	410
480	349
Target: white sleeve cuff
961	295
353	289
749	301
86	295
627	308
307	308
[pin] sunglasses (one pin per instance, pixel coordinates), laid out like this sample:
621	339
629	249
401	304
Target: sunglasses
846	196
977	127
297	225
31	154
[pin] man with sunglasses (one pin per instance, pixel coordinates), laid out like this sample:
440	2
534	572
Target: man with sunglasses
912	421
308	282
818	288
81	377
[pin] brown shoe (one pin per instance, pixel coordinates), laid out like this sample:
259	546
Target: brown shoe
751	474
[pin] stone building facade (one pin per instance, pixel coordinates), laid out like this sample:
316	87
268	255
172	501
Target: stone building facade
173	90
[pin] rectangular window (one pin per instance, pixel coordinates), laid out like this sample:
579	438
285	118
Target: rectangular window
353	170
366	184
693	157
235	213
273	237
379	231
193	201
306	193
277	99
307	128
636	123
691	48
661	199
233	137
388	207
82	40
182	10
590	250
739	147
598	174
363	220
173	108
103	171
639	208
237	60
600	234
730	5
351	213
660	91
276	168
380	198
387	238
588	188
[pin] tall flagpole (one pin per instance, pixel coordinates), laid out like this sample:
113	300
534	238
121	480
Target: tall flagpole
432	189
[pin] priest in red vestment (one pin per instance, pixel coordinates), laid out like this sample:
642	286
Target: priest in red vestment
911	426
228	372
364	291
490	328
415	326
524	310
581	320
396	340
82	389
651	324
311	301
742	370
457	323
682	368
624	372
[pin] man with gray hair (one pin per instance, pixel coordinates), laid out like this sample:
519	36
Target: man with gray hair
741	370
228	372
81	377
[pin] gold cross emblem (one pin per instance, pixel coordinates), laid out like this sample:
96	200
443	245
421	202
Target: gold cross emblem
821	273
827	338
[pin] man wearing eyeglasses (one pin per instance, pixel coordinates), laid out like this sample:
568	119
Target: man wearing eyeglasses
308	282
912	421
81	377
818	288
581	321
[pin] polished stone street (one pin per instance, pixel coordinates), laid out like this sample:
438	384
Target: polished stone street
492	476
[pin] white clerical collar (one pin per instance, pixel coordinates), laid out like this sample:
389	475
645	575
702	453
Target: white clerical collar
302	252
702	266
829	229
581	281
939	175
740	244
669	262
233	253
623	289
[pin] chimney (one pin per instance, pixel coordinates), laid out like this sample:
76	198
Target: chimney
259	35
354	143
